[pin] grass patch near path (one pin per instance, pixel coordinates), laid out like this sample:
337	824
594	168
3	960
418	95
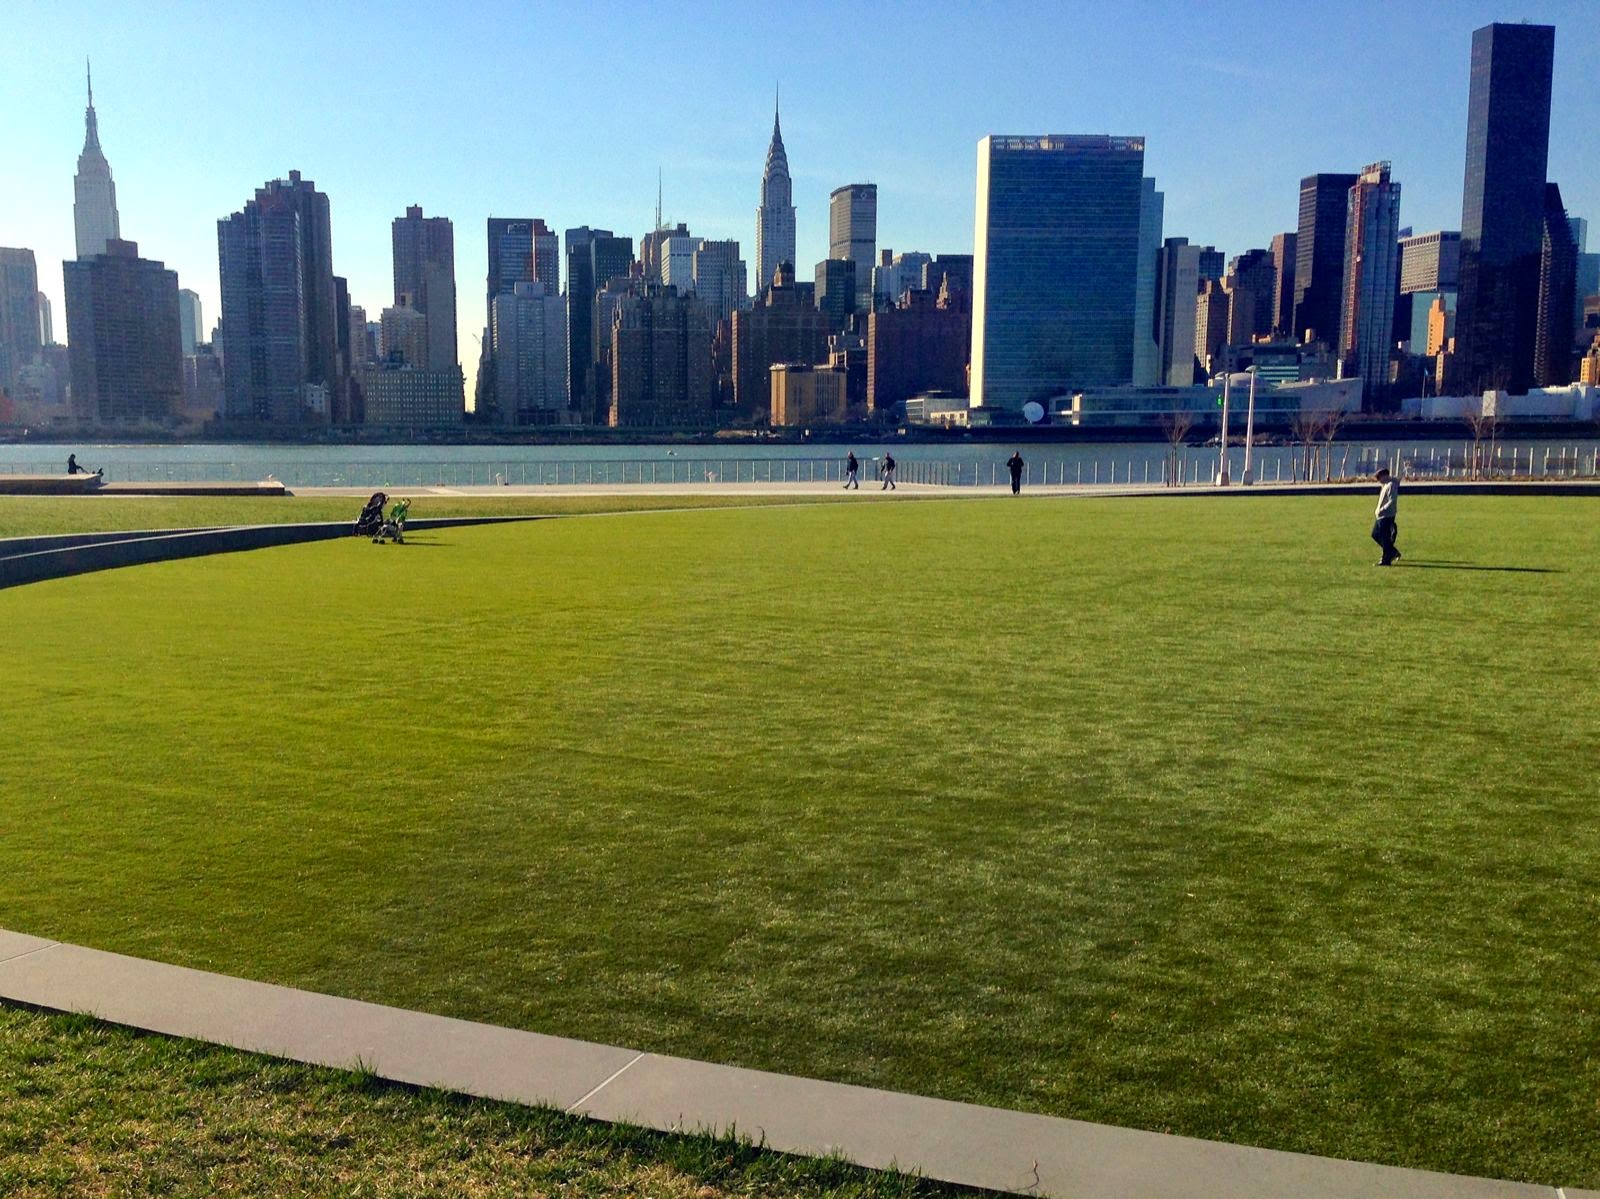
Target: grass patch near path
91	1109
32	516
1167	813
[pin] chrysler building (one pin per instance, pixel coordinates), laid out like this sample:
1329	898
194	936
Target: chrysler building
775	217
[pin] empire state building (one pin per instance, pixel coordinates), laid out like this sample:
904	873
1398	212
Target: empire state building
94	207
775	217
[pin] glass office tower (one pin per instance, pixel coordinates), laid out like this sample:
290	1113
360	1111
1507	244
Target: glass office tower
1056	270
1503	205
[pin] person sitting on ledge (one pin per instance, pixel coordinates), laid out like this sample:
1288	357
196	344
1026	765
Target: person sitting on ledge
72	466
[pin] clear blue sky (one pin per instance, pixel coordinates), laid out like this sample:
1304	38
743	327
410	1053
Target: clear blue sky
566	111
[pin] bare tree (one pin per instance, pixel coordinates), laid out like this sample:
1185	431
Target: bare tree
1328	424
1303	426
1176	425
1482	425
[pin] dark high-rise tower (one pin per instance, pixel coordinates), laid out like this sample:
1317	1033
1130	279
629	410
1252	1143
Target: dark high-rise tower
1558	295
1283	256
1319	256
122	333
425	277
280	307
1503	205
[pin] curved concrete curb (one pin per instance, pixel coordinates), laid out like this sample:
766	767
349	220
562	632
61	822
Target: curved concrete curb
961	1143
81	553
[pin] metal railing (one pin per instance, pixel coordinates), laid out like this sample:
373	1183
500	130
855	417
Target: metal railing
1156	467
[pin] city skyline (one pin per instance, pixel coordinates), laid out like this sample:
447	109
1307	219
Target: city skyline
176	179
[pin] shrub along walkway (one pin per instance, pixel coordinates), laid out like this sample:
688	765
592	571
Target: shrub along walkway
952	1142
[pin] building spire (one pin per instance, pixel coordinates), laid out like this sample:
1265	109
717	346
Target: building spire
658	198
91	127
775	132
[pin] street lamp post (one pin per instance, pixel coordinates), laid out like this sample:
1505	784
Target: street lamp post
1249	476
1222	451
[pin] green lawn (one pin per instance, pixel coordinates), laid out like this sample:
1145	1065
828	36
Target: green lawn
89	1109
30	516
1172	813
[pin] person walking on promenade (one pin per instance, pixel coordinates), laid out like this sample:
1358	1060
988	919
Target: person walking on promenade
1015	464
852	472
1384	528
888	473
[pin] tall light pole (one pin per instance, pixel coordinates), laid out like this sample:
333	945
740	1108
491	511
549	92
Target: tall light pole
1222	451
1250	428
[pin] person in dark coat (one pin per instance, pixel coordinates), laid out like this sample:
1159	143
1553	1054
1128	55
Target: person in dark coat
888	473
1384	528
72	466
1014	464
852	470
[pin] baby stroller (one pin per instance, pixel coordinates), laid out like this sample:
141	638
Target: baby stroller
370	522
394	527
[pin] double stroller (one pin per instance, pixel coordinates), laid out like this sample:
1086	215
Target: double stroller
374	524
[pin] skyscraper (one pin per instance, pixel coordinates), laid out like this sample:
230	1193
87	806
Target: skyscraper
651	249
1252	284
190	327
775	216
425	272
836	291
94	204
1558	295
1503	205
853	233
20	331
719	277
1430	272
594	256
897	274
279	309
1055	277
529	330
1146	364
951	273
47	328
1177	282
510	254
1283	254
1319	256
122	334
1371	275
660	360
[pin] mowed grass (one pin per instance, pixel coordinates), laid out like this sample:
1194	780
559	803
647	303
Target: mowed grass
1172	813
90	1109
32	516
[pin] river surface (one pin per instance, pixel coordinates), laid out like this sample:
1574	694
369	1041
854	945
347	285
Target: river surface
567	465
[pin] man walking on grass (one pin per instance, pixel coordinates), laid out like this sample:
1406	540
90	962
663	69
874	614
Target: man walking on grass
1384	528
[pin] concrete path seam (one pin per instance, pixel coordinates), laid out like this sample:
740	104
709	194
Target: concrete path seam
585	1099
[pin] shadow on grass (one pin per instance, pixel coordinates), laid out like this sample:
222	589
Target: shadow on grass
1442	565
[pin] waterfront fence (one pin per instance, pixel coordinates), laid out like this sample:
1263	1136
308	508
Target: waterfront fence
1188	466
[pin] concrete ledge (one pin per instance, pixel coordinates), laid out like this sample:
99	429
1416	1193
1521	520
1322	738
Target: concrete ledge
953	1142
79	484
77	554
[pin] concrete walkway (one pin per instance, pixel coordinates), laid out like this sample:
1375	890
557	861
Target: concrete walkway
952	1142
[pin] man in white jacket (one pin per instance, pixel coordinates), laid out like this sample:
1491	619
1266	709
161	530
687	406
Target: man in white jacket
1383	527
